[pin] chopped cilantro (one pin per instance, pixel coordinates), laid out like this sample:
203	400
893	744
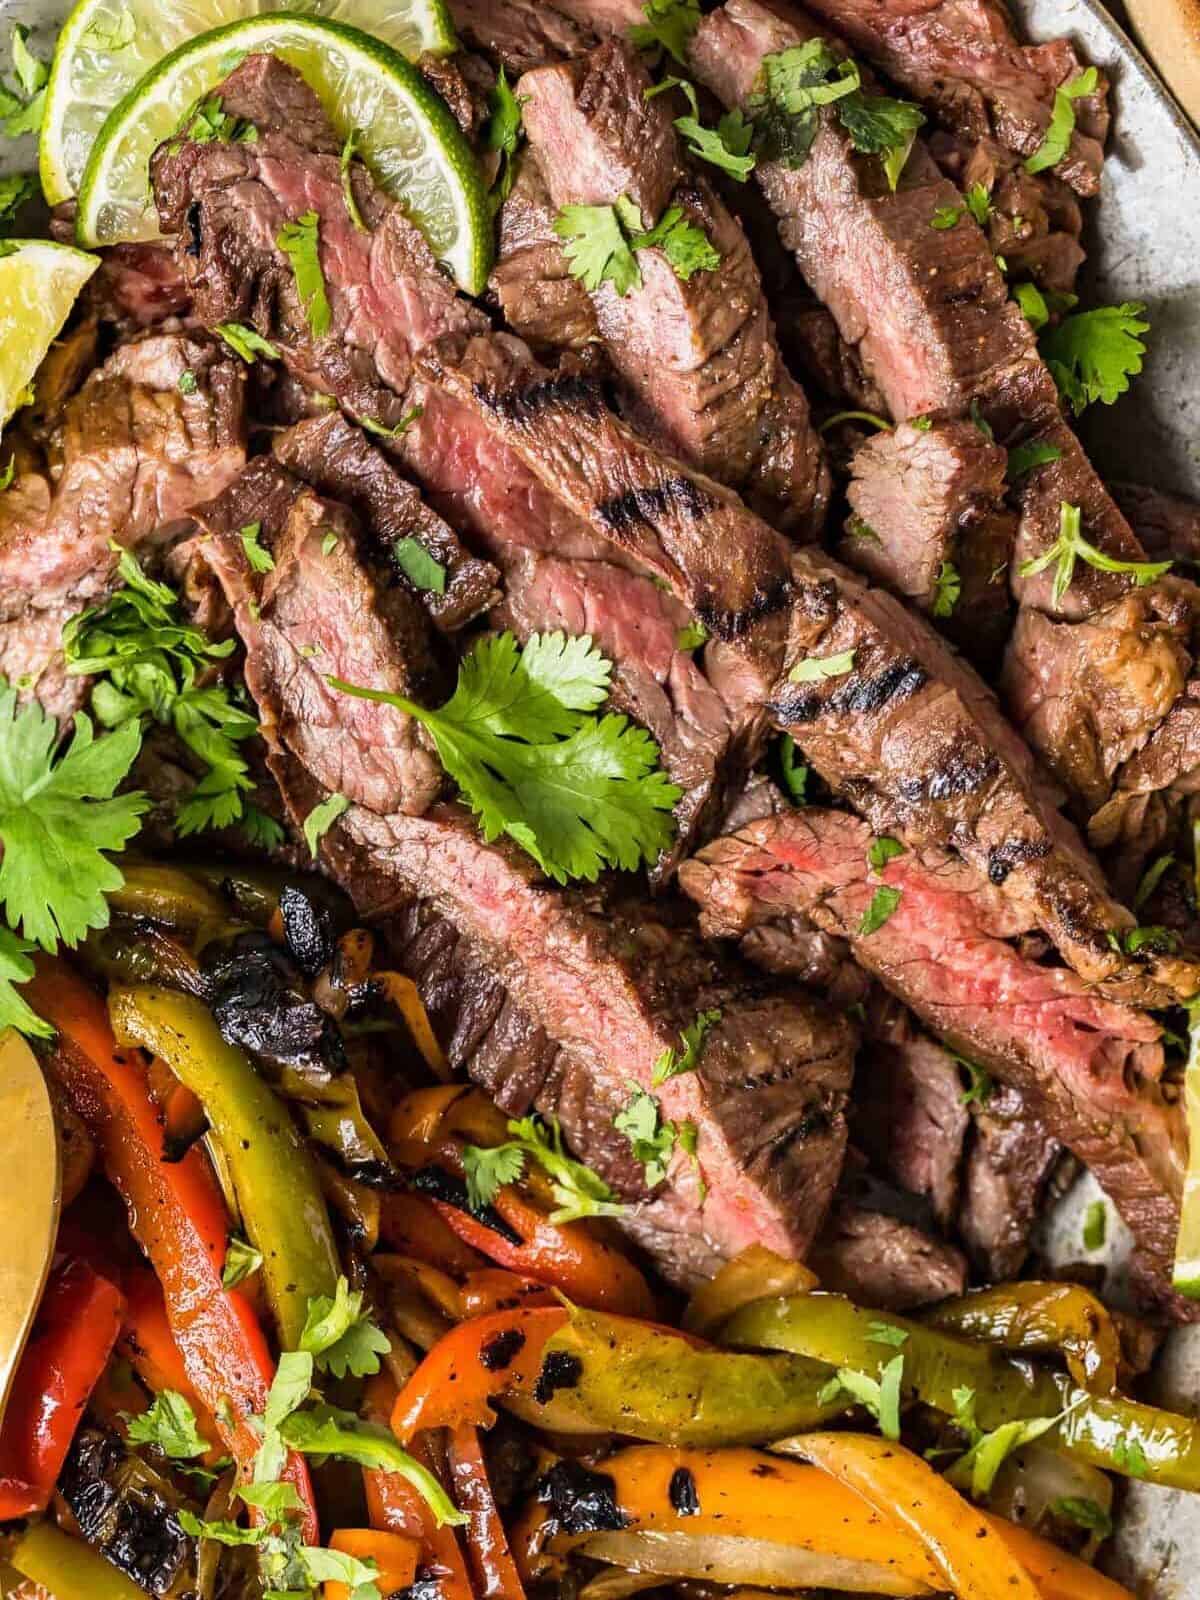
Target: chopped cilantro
321	818
795	775
1129	1456
242	1261
886	1333
329	543
979	203
1095	1225
946	217
1084	1513
672	1063
880	1396
261	829
947	588
521	738
396	432
1033	304
602	244
691	636
1026	458
187	382
21	113
879	125
652	1137
502	132
340	1335
1093	354
423	571
8	474
300	243
260	560
815	668
15	190
170	1426
578	1191
669	25
1071	546
226	1533
980	1087
1057	140
327	1431
883	904
883	850
246	342
726	146
977	1469
347	171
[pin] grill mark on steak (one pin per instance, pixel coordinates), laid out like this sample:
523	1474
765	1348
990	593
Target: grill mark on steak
1088	1068
681	495
697	359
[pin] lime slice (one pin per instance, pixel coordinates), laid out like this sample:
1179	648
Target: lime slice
39	283
107	46
406	134
1186	1276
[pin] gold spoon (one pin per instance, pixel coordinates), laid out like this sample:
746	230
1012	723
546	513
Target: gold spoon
30	1197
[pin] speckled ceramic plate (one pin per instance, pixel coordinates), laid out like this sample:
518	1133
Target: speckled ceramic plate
1144	244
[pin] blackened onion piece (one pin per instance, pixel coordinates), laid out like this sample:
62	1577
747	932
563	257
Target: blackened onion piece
258	998
581	1501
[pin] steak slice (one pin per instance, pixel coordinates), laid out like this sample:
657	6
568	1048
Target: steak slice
321	609
136	455
521	33
1011	1161
881	1260
929	523
699	356
1167	525
927	310
539	299
337	460
962	59
1089	1069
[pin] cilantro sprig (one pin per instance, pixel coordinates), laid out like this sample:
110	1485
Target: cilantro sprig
578	1191
1071	546
521	737
669	26
170	1426
602	243
1093	354
341	1337
672	1063
652	1137
149	662
502	133
22	107
726	146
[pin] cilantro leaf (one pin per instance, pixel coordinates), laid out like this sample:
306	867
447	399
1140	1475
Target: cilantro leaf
883	903
422	570
947	588
502	132
813	669
979	203
1026	458
883	850
881	126
242	1261
596	248
488	1170
148	659
669	25
1033	305
348	153
578	792
246	341
226	1533
1093	354
652	1137
328	1431
340	1336
8	474
795	774
792	85
687	247
1071	546
1057	140
977	1469
16	967
300	243
672	1063
261	829
322	1566
260	560
1084	1513
726	146
58	818
886	1333
980	1087
1129	1456
169	1425
15	190
1095	1225
691	636
31	73
396	432
321	818
276	1501
946	217
881	1397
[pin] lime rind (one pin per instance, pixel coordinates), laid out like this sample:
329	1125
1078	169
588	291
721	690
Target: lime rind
92	70
39	283
406	134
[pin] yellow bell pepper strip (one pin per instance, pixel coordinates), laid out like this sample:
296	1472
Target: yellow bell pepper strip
655	1383
973	1563
403	993
756	1274
67	1568
1049	1317
278	1190
1058	1576
1117	1434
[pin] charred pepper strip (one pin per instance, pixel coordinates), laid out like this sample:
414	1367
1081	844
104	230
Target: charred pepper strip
1117	1434
279	1192
67	1568
175	1213
1051	1317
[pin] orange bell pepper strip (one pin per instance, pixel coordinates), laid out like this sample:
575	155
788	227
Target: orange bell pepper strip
176	1213
495	1571
472	1366
72	1338
412	1226
147	1344
1058	1576
495	1289
395	1506
395	1559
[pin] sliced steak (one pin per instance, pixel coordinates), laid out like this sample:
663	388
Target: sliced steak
337	460
929	523
881	1260
136	454
927	310
1167	525
965	62
1010	1163
539	298
699	356
1087	1068
812	341
322	609
521	33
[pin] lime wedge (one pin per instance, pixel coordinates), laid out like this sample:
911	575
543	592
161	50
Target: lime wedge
107	46
406	134
39	283
1186	1276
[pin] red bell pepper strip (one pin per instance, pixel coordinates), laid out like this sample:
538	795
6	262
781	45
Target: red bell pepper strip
492	1563
176	1213
394	1506
148	1345
68	1349
473	1365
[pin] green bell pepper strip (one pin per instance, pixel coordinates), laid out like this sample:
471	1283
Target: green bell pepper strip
167	895
67	1568
1061	1318
650	1383
1116	1434
277	1186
